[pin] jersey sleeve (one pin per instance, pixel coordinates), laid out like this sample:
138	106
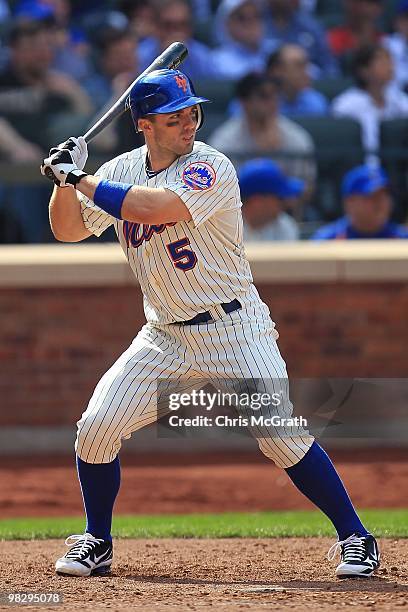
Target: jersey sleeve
95	219
206	185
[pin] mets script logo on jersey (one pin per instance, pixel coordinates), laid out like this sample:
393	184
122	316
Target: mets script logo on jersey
135	233
199	175
181	82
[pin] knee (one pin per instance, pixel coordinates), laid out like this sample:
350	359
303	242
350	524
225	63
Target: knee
97	439
285	452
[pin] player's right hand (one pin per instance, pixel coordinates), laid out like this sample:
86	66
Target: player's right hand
78	149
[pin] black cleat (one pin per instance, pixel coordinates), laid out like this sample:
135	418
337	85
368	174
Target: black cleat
87	556
359	554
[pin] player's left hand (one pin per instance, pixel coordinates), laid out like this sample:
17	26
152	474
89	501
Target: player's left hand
61	169
78	149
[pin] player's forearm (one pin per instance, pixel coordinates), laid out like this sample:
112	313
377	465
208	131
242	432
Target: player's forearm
148	205
65	216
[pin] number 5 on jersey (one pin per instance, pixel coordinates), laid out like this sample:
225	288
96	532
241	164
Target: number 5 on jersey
183	258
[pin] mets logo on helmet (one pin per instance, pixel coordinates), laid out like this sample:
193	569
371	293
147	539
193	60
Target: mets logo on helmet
199	176
181	82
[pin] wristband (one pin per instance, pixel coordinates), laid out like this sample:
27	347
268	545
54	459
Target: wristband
109	196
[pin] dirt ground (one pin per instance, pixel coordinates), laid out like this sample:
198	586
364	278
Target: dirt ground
231	575
180	483
180	575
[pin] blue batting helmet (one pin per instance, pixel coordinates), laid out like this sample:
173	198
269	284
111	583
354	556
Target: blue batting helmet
163	91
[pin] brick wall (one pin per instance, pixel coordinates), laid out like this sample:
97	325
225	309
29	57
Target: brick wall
55	343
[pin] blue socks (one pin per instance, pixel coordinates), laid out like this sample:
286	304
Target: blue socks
100	484
316	477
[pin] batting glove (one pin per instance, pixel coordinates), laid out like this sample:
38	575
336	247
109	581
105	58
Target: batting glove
61	169
78	149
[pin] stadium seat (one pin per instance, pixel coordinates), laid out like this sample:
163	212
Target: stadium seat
393	138
326	7
393	154
333	87
338	148
329	13
219	92
331	20
388	16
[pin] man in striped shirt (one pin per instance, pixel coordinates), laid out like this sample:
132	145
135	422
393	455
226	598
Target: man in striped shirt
175	205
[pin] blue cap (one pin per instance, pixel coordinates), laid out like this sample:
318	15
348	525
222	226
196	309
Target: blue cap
364	180
36	11
402	7
263	176
162	91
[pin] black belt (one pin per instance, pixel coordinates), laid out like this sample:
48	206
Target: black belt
204	317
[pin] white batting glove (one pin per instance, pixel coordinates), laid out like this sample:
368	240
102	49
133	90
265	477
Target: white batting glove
78	149
61	169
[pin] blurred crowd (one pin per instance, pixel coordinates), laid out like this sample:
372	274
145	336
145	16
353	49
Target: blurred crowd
309	99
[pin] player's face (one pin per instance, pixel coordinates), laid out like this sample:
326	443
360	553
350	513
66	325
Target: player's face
174	132
370	213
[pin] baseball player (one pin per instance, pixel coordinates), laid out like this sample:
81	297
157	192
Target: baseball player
175	205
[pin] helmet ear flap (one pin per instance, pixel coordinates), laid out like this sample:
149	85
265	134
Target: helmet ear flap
200	120
200	106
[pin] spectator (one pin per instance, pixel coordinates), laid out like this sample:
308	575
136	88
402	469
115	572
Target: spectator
259	129
373	99
4	11
289	67
367	204
32	97
116	69
287	24
397	44
202	9
245	48
4	19
140	15
359	29
174	22
70	47
264	192
30	92
25	215
116	65
81	9
15	148
308	5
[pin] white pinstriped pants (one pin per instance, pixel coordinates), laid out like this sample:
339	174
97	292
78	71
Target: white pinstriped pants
242	345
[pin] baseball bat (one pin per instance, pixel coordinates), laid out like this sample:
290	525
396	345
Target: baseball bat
170	58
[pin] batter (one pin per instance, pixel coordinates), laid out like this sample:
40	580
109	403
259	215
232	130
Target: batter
175	205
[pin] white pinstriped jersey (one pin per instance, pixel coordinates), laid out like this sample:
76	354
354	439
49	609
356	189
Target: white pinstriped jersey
183	268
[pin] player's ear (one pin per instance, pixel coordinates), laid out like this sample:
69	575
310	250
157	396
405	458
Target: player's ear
145	124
